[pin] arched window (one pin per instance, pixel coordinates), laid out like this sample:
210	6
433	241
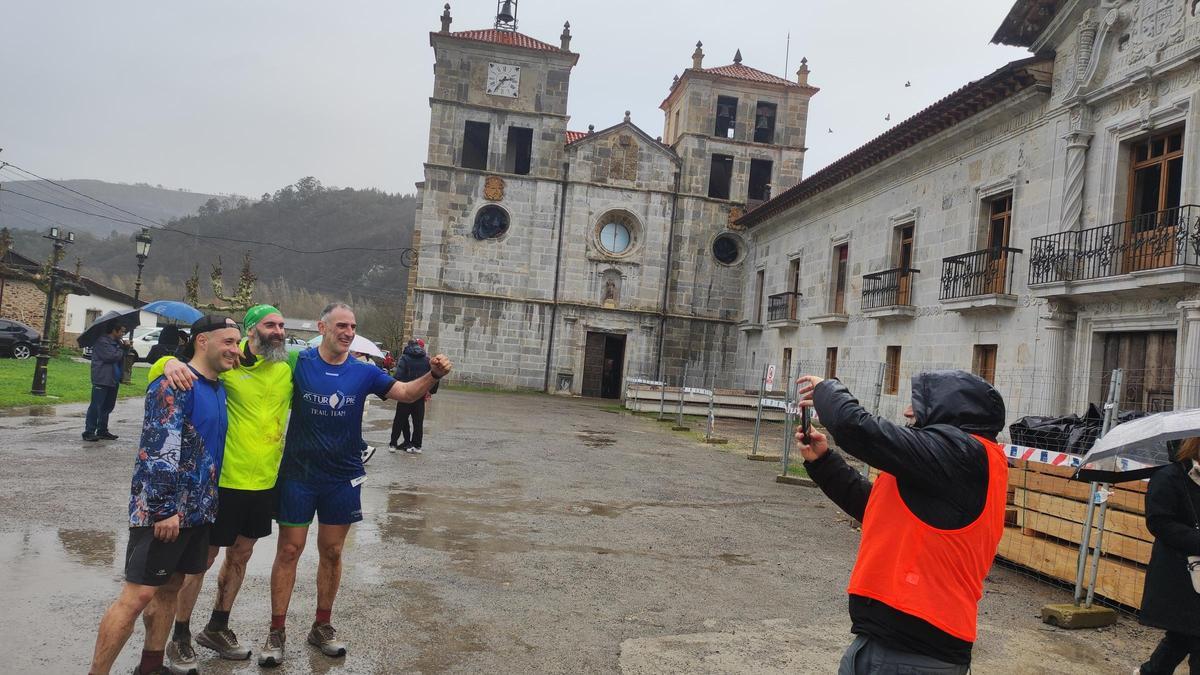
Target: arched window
491	222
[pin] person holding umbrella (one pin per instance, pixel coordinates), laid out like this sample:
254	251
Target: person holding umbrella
1171	598
108	356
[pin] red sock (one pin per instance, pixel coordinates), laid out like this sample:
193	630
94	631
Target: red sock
323	615
150	661
278	621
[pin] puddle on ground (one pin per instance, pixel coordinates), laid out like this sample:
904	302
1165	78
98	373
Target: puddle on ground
445	643
89	547
596	439
30	411
470	530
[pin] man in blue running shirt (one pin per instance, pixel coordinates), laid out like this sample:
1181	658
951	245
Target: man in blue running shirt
322	470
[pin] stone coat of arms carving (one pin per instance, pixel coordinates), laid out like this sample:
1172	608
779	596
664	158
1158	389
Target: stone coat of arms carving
493	188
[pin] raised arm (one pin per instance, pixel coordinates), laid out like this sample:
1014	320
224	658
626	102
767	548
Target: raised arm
928	457
408	392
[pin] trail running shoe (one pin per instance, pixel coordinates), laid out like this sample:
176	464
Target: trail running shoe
181	658
224	642
324	637
272	650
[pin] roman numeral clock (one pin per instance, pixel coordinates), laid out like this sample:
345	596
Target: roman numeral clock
503	79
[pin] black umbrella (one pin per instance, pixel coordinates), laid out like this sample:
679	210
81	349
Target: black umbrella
130	319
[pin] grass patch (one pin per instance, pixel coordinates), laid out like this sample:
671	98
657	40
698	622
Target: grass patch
797	470
67	381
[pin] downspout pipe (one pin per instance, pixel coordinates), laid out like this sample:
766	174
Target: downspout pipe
562	218
666	297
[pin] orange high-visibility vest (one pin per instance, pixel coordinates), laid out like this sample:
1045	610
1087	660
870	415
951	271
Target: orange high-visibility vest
934	575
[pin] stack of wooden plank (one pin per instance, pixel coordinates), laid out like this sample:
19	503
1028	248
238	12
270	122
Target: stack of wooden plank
1045	525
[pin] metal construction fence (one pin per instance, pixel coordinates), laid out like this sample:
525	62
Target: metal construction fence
1087	536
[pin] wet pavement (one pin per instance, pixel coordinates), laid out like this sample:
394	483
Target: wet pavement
536	534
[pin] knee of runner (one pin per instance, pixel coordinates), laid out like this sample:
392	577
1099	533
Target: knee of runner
239	554
289	553
140	595
331	552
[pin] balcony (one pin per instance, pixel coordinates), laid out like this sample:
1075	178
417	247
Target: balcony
1151	254
888	294
783	309
980	280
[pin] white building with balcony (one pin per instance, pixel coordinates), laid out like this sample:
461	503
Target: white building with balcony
1038	224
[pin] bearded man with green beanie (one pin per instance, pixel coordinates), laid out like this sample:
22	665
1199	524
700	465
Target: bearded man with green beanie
259	395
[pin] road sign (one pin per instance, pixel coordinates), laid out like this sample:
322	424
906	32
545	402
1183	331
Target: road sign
771	378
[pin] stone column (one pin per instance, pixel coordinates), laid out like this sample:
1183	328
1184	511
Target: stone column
1078	141
1051	389
1187	368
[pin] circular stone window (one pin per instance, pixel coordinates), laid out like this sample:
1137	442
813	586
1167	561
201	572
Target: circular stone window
727	249
614	238
616	233
491	222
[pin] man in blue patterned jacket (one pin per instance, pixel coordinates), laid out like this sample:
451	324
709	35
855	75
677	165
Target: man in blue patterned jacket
173	499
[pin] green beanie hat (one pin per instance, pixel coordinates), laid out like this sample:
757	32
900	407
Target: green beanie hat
256	314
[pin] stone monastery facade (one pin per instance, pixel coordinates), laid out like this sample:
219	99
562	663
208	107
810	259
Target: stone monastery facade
1039	225
567	260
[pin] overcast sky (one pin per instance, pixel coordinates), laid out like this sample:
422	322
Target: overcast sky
238	96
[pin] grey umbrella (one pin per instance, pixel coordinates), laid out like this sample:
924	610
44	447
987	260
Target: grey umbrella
1136	449
130	319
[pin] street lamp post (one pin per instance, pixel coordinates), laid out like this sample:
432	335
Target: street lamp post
60	241
142	250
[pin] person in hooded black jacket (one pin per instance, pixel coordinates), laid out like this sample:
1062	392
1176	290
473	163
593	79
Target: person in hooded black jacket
414	362
942	475
1169	601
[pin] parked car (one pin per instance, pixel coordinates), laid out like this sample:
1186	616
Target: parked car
16	339
142	344
293	344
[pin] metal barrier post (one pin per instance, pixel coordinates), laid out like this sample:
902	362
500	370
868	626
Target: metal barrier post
662	398
1102	492
879	377
712	419
762	387
787	420
679	408
1085	541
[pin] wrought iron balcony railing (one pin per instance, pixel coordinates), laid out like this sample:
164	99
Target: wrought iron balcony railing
978	273
888	288
1150	241
783	306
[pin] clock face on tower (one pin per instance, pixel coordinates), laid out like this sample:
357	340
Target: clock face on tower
503	79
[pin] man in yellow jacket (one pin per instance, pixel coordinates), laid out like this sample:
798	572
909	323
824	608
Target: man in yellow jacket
259	393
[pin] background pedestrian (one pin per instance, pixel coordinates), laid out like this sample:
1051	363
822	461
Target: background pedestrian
1169	600
410	417
108	357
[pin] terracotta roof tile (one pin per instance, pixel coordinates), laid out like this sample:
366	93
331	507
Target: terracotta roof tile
740	72
573	136
505	37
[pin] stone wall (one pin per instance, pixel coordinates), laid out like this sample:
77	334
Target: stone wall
24	302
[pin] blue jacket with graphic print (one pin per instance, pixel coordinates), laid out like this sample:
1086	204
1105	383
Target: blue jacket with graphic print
175	471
